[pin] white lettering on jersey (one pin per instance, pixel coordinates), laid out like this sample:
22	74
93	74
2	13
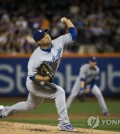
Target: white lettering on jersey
57	56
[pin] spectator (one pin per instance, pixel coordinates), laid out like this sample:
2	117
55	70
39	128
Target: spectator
95	21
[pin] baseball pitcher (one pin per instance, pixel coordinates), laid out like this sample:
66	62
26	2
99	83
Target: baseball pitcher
86	82
42	66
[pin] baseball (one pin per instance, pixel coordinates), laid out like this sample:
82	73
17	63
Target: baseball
63	19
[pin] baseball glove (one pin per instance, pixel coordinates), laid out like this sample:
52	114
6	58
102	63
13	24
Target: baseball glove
46	70
82	97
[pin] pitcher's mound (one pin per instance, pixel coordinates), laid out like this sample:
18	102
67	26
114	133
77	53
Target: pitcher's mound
24	128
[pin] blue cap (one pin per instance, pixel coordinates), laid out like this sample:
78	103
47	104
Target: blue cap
38	34
93	59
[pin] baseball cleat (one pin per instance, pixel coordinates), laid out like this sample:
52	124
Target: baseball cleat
1	108
67	127
106	113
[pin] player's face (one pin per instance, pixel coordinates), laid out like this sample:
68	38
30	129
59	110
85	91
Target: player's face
45	41
92	64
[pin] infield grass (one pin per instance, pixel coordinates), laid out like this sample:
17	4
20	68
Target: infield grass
90	107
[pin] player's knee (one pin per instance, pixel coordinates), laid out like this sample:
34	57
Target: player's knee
31	106
73	95
61	91
99	94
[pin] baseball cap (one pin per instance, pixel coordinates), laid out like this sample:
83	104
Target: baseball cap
93	59
38	34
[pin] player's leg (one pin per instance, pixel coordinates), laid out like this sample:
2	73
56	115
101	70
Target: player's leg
59	95
30	104
52	91
96	91
74	93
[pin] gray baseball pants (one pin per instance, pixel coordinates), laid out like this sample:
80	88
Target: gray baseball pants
37	94
95	91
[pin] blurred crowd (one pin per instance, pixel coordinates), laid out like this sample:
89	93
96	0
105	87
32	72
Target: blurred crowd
97	23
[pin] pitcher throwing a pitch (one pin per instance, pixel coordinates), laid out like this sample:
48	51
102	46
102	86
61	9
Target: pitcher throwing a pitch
42	66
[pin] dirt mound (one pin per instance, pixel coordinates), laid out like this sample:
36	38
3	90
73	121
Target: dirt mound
24	128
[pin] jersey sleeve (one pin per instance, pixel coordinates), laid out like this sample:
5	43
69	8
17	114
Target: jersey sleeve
65	39
33	69
82	73
97	74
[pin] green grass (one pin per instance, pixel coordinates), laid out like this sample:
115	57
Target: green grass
89	107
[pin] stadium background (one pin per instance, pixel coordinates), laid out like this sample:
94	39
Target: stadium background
13	73
98	27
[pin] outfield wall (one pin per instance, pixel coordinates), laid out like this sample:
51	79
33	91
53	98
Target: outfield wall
13	73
